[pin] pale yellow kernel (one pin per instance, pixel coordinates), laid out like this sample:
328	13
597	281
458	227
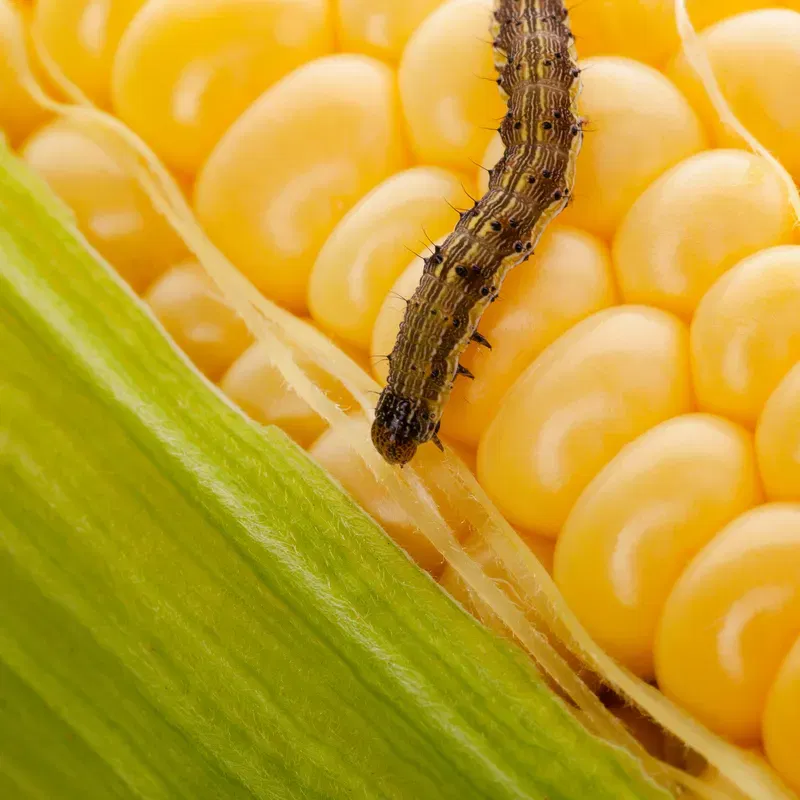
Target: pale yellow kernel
294	163
778	439
490	157
756	60
706	12
781	721
81	37
731	620
608	380
640	29
334	450
359	355
639	522
19	114
256	385
745	335
466	453
112	211
451	113
387	323
185	72
371	246
694	223
380	28
568	279
190	306
640	125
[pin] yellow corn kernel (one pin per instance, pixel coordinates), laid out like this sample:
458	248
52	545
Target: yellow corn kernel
706	12
568	279
81	37
696	222
188	304
292	166
258	388
19	114
624	102
781	722
370	247
608	380
450	111
731	620
185	71
490	157
778	440
745	335
642	30
639	522
390	316
380	28
756	59
335	452
463	451
112	211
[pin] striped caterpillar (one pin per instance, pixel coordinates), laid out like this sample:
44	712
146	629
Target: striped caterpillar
529	186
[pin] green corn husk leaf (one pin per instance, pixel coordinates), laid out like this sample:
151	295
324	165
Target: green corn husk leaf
192	609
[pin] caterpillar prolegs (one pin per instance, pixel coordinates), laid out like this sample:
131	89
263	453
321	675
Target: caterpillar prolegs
541	133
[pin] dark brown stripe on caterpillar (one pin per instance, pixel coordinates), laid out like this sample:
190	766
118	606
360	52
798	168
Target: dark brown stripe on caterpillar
530	185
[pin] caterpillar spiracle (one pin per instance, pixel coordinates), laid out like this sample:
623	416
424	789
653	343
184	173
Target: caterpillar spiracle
528	187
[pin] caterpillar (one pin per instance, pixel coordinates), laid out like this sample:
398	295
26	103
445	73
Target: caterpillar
541	133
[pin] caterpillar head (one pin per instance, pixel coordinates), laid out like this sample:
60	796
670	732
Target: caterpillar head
400	426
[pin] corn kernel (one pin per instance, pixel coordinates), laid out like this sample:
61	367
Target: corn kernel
778	439
756	59
19	114
380	28
184	71
387	323
731	620
639	522
642	30
745	336
81	36
706	12
292	166
370	247
450	111
258	388
188	304
111	209
626	103
781	722
696	222
335	452
608	380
